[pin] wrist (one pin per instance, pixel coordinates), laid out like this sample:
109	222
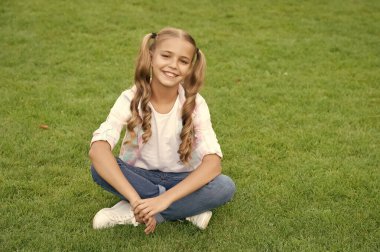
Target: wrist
133	202
167	198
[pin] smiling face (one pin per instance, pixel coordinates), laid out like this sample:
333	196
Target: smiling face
171	61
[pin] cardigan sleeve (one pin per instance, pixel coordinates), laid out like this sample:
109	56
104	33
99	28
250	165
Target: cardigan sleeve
117	119
206	141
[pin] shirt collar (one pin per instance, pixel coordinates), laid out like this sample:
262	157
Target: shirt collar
181	97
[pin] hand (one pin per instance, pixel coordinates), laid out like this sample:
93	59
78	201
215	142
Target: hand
150	222
138	219
150	225
146	208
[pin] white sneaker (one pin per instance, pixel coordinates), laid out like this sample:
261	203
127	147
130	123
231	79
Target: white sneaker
119	214
200	220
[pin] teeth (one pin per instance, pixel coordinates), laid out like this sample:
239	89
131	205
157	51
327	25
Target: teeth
170	74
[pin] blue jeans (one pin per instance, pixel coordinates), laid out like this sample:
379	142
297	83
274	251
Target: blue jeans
151	183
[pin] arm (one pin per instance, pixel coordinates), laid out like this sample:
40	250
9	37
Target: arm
205	172
104	140
105	164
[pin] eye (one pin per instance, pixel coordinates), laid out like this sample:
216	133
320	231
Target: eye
184	62
165	55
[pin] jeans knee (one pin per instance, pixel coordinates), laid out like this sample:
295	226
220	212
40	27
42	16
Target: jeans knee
226	187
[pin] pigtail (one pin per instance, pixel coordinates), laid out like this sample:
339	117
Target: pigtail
143	90
191	85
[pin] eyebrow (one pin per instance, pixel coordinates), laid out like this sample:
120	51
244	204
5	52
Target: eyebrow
182	56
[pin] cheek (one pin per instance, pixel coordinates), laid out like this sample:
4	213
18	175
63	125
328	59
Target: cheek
157	61
186	70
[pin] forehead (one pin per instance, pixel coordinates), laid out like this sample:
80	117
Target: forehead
176	46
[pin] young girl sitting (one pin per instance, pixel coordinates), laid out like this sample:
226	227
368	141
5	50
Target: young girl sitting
169	167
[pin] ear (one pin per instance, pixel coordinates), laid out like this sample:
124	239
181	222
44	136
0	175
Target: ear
191	70
151	54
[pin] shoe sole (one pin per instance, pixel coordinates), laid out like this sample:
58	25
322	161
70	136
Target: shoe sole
206	221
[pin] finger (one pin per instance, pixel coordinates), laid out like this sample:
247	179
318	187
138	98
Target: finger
146	218
140	207
143	213
149	222
154	224
148	230
142	216
150	214
150	225
138	202
136	210
138	219
151	229
134	204
153	212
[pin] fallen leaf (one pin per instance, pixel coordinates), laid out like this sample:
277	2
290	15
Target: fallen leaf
43	126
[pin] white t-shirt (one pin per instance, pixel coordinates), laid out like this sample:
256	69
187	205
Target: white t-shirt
160	152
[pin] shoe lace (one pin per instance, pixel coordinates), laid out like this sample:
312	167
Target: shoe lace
124	218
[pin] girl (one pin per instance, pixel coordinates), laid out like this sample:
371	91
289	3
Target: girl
169	165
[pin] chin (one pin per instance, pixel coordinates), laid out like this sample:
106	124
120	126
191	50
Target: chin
171	83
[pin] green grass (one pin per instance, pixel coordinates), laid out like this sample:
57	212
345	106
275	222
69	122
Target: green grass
294	93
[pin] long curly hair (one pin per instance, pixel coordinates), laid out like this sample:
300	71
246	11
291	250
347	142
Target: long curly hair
191	85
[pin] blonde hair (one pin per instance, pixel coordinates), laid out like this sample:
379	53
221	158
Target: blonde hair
191	85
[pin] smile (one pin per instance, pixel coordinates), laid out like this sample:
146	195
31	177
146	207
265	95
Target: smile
170	74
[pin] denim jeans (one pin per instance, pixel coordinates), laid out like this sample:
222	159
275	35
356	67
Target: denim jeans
151	183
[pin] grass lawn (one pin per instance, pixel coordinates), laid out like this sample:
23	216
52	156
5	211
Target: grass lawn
294	93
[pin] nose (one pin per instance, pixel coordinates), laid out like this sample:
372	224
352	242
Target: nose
173	63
